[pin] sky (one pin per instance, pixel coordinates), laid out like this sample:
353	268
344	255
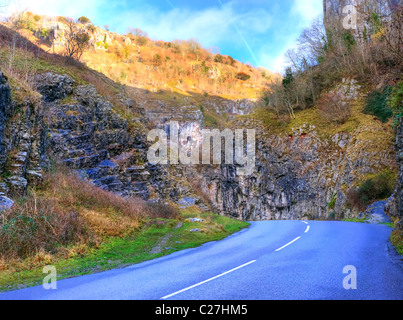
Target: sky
258	32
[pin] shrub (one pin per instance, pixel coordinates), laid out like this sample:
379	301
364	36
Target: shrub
38	225
377	104
84	20
396	102
219	58
65	211
378	187
243	76
23	20
232	61
333	107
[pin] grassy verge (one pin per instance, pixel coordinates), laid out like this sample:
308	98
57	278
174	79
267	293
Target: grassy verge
397	240
167	235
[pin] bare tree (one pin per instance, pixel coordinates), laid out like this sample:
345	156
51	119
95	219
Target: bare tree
394	34
76	41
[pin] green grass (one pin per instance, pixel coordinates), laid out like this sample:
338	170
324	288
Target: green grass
117	252
377	104
397	240
364	220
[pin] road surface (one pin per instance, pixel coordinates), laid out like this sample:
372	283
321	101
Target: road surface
269	261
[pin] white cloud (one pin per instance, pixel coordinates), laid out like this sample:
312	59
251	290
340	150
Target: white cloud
304	12
210	25
307	11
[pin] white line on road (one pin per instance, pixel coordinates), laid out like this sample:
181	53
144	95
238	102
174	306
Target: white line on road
307	229
279	249
211	279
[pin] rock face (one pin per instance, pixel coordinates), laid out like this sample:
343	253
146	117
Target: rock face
22	145
395	205
297	176
301	176
337	11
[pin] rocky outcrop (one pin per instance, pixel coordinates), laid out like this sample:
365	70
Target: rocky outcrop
395	204
301	176
339	11
297	176
23	140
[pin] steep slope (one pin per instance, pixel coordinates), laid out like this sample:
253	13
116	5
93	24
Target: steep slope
304	169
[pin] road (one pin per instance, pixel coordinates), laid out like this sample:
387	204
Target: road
287	260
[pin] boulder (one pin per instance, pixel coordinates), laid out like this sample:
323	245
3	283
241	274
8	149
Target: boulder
54	86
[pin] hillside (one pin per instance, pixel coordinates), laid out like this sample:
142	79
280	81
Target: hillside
135	60
76	183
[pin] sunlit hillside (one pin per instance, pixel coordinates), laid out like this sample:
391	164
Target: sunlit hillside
135	60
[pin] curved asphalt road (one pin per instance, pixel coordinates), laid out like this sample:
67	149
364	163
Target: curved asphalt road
269	261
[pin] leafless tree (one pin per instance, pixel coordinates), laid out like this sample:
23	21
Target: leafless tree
76	40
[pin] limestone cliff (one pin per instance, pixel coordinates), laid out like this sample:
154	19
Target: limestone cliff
298	174
395	205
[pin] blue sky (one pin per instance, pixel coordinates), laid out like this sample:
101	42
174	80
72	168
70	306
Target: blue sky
252	31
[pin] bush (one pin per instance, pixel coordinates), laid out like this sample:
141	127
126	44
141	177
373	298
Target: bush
377	104
243	76
219	58
333	107
38	225
396	102
84	20
378	187
66	211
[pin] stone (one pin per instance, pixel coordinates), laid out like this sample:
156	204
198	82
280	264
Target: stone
17	186
5	203
34	178
53	86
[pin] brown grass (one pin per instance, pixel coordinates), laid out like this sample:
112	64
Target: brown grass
67	211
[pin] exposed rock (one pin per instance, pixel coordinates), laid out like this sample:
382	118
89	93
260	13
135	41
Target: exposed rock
17	186
296	176
53	86
395	204
5	203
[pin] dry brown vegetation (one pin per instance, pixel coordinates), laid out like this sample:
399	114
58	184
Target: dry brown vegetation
136	60
333	107
68	211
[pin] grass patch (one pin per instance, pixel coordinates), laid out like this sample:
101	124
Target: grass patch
275	124
377	104
397	240
357	220
72	225
117	252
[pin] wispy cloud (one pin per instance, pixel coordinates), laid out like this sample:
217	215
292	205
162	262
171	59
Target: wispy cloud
211	25
253	31
302	14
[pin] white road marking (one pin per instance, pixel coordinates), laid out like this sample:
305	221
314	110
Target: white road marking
235	269
279	249
211	279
